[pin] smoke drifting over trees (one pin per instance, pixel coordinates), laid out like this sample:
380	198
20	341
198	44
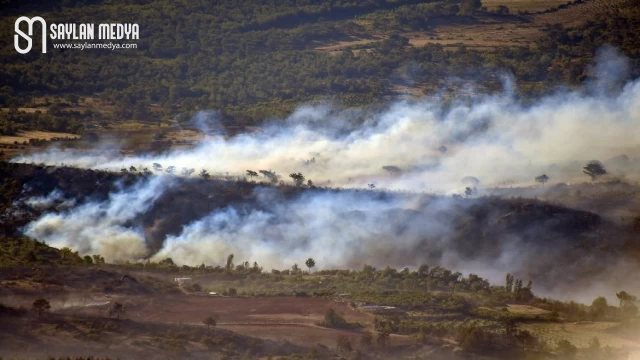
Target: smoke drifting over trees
495	138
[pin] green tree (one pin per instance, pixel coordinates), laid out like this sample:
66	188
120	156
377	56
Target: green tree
542	179
229	265
509	283
310	263
599	308
209	321
628	307
517	286
270	175
204	174
594	169
298	178
251	173
40	306
295	269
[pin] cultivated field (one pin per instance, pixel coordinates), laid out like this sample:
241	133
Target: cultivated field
277	318
488	32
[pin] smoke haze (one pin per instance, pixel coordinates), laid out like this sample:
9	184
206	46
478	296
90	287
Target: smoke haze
495	139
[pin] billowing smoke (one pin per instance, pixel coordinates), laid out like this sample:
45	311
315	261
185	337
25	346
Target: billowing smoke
425	146
101	227
494	139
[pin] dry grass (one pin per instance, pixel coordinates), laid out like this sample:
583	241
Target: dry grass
581	333
526	310
40	135
28	110
341	45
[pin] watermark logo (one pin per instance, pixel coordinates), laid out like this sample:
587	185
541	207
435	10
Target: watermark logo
30	21
72	32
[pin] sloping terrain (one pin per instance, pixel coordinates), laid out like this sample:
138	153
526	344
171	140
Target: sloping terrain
435	230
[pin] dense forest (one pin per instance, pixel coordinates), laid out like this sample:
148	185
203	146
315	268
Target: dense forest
252	60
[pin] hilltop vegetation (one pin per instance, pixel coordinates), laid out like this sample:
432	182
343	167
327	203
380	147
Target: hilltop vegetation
255	60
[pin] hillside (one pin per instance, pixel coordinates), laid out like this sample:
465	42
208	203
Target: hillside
434	229
321	179
255	61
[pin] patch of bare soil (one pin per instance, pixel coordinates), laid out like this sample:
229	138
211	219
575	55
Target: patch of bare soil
341	45
292	319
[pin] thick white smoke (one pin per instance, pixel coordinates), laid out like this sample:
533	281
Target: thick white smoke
495	139
100	227
337	229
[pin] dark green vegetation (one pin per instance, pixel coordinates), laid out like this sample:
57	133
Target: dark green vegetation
252	60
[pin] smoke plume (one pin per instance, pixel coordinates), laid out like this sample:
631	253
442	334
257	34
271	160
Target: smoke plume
430	148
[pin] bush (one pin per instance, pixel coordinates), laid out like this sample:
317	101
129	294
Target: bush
473	339
334	320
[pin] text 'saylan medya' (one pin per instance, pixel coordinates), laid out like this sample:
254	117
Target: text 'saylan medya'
87	31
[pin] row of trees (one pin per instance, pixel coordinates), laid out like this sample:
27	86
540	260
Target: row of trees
594	169
520	293
269	175
626	310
